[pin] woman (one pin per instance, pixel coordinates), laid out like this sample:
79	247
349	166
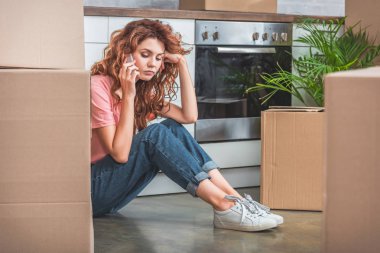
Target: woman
128	88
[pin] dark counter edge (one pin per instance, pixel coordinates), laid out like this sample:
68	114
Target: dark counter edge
193	14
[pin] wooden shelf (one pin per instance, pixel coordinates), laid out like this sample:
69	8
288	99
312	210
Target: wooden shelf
187	14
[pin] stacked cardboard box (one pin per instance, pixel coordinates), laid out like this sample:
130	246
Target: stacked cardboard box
41	34
292	158
352	206
367	13
265	6
45	203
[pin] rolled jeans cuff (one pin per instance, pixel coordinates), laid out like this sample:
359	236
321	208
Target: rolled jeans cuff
192	186
210	165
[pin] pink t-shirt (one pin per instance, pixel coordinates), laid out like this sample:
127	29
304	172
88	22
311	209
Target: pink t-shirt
105	111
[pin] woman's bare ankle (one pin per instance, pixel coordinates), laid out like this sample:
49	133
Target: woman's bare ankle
224	204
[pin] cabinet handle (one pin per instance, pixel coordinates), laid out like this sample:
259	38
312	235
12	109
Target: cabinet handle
239	50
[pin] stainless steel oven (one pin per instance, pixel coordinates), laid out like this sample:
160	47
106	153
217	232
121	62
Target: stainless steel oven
230	57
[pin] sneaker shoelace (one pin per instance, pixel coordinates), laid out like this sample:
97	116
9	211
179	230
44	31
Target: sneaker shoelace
258	206
246	209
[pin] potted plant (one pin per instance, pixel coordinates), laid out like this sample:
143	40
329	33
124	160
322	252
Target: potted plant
293	142
329	52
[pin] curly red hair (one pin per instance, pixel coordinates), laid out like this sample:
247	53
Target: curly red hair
150	94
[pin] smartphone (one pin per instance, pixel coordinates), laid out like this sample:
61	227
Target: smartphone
129	58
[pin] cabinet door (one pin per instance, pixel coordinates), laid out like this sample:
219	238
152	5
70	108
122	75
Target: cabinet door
185	27
116	23
96	29
235	153
95	38
93	53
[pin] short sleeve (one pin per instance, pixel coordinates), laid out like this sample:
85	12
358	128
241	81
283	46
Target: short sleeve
101	103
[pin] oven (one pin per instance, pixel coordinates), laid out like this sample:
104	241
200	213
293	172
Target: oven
231	57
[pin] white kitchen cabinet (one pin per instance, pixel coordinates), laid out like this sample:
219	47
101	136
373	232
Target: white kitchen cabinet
234	153
183	26
95	38
186	27
116	23
93	53
95	29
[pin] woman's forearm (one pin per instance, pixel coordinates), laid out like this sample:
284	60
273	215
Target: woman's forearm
122	141
188	98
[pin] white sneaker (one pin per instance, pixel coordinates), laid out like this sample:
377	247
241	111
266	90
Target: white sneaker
239	217
262	210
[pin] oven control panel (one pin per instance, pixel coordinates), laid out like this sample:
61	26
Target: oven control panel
242	33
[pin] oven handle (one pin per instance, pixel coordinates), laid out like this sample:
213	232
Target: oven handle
239	50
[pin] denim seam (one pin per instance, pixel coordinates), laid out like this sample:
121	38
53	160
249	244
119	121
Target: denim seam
111	169
196	158
192	187
201	176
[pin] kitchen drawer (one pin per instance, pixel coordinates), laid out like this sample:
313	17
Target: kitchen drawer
234	154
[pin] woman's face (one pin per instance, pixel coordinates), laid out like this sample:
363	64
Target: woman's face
149	56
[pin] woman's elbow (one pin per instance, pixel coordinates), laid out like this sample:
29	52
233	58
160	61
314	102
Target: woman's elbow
191	119
120	158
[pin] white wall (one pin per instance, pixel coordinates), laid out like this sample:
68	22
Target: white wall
312	7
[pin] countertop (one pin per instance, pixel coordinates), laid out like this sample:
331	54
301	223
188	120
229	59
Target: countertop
191	14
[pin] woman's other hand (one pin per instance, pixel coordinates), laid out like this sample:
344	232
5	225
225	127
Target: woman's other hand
171	58
128	75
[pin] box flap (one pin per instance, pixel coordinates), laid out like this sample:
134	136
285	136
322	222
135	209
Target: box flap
295	109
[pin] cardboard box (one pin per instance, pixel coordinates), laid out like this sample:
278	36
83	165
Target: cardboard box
292	159
265	6
367	12
45	190
46	228
352	206
45	136
42	34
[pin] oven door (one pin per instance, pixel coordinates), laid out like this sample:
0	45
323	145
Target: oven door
222	74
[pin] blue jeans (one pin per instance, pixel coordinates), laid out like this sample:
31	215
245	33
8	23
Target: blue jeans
165	146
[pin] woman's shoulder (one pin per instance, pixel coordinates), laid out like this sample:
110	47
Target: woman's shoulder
101	80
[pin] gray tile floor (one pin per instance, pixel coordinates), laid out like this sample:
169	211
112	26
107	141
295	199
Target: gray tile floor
181	223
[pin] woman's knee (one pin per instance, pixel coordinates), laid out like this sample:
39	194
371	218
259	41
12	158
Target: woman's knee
155	131
171	123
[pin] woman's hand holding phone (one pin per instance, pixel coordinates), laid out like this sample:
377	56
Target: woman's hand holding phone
128	75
